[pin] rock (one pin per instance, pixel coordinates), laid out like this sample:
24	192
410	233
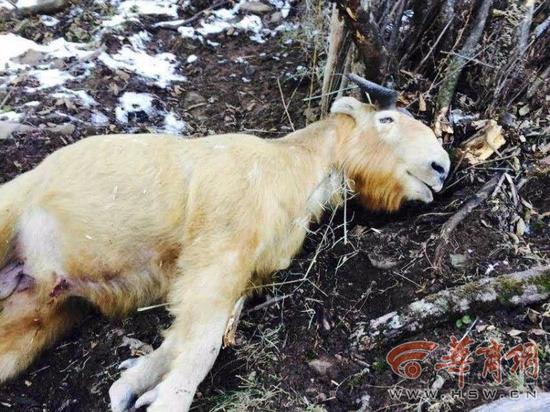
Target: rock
66	129
30	57
7	128
321	366
192	99
28	8
255	7
276	17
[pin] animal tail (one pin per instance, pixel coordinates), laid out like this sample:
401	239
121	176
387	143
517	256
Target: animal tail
14	196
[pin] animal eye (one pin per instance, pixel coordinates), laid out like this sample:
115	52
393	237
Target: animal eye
386	120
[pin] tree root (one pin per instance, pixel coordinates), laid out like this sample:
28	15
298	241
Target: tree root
515	289
459	216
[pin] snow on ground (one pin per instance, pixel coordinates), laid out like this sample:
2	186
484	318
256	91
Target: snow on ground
132	104
160	67
59	68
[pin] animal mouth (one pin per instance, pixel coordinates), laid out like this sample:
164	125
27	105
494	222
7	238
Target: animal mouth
429	186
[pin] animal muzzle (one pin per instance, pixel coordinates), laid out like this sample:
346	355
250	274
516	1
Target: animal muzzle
438	170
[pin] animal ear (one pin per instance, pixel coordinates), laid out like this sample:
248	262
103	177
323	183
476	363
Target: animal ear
385	120
346	105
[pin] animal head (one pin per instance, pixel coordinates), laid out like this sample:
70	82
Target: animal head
389	157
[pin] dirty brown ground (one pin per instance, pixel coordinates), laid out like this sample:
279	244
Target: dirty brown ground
270	369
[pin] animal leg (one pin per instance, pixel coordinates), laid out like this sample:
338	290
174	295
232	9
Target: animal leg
167	379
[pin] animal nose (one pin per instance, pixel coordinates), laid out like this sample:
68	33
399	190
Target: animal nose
439	169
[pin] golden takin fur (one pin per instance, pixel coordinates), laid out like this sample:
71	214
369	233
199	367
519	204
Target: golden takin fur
122	221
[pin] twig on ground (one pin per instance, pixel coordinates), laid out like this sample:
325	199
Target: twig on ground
459	216
285	105
267	303
174	24
510	290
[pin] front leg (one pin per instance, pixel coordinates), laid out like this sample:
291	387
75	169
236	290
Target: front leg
202	301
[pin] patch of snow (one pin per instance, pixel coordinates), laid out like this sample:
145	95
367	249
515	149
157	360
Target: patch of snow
5	4
50	78
13	46
250	23
137	7
283	6
81	95
491	268
215	27
34	103
138	40
161	67
27	3
132	102
192	58
173	125
187	32
49	21
130	10
99	119
11	116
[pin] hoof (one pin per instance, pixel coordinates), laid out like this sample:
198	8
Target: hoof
122	397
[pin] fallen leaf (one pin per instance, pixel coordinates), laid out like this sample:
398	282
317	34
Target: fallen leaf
515	332
421	103
483	144
458	261
524	110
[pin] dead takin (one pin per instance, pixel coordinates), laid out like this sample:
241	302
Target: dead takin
123	221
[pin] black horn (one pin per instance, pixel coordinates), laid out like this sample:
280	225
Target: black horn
383	97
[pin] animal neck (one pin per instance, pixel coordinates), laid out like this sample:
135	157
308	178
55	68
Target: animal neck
316	165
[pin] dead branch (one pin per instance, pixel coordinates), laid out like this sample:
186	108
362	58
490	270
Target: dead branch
515	289
457	63
336	38
459	216
366	36
525	26
541	28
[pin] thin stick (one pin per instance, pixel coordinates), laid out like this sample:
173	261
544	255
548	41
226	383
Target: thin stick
144	308
173	25
285	106
267	303
459	216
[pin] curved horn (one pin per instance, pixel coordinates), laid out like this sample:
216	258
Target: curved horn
385	98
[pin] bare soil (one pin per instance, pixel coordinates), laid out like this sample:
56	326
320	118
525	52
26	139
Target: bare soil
315	320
